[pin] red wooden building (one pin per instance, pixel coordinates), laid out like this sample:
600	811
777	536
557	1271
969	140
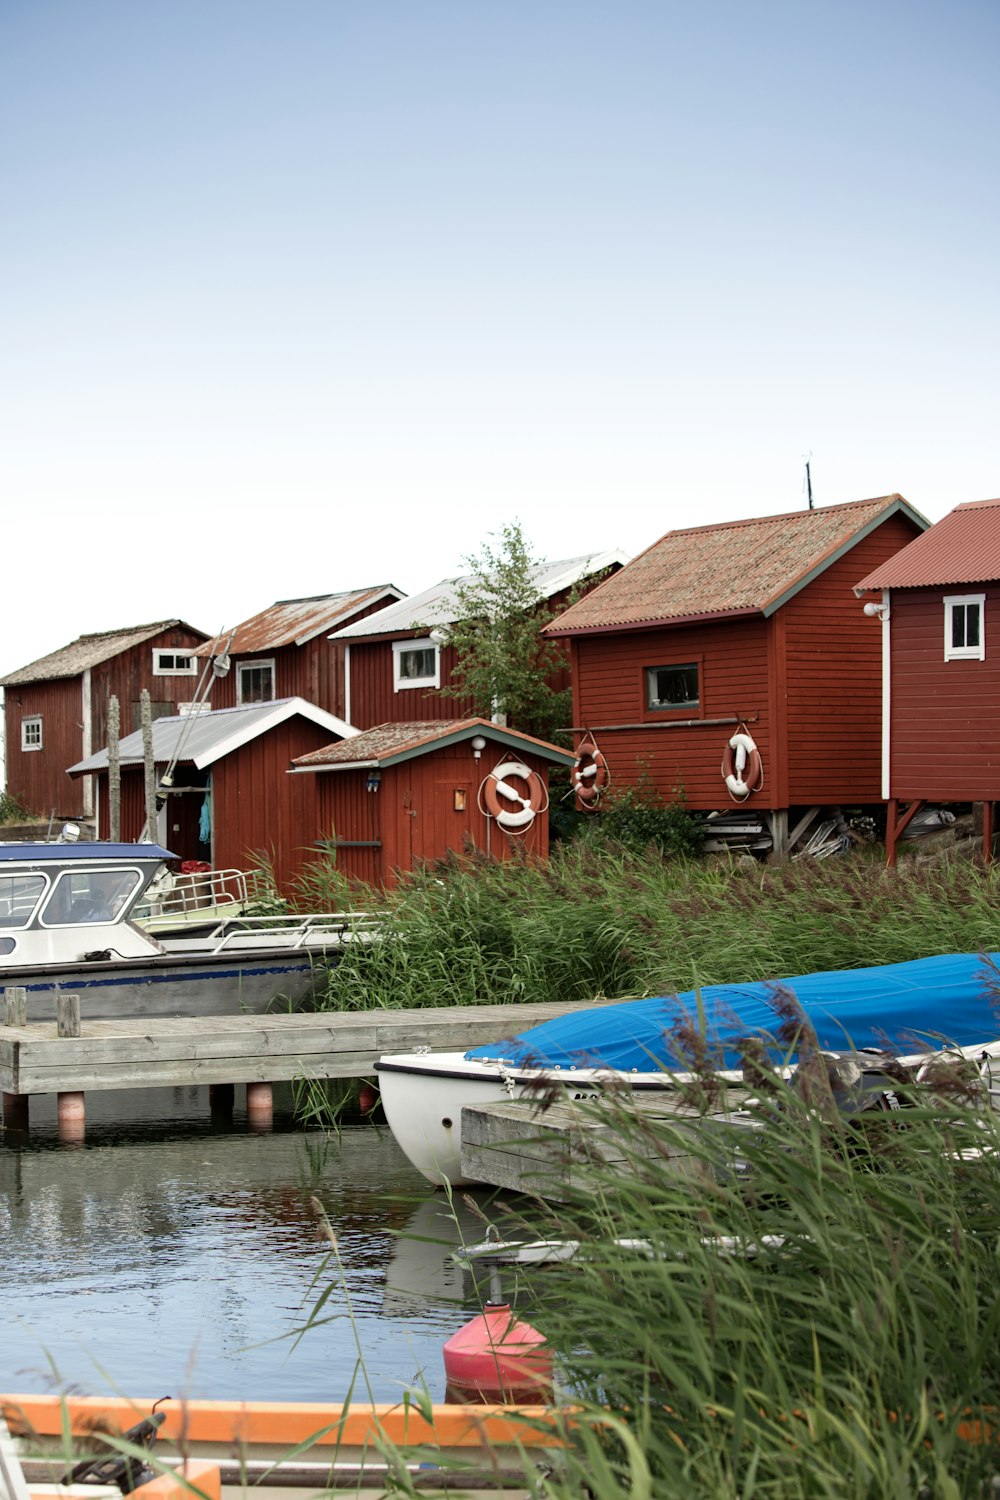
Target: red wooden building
939	606
286	651
232	799
399	659
746	627
404	794
56	708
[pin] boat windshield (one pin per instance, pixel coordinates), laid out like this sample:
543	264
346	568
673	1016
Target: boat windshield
83	897
19	897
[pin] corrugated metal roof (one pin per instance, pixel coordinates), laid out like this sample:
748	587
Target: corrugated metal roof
737	567
206	737
438	605
296	621
963	547
388	743
89	651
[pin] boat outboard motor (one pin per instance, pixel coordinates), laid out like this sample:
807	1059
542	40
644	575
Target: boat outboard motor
126	1470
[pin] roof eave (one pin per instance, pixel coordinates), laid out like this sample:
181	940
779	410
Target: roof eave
661	623
898	507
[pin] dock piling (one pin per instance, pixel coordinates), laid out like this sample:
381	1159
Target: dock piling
68	1015
15	1005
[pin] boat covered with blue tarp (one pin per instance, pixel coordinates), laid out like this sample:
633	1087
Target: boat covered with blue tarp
925	1004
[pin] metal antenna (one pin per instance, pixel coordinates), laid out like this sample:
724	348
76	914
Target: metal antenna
809	483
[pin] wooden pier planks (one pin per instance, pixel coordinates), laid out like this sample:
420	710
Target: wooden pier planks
167	1053
517	1146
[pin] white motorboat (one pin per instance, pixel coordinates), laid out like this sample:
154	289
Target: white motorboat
67	923
910	1010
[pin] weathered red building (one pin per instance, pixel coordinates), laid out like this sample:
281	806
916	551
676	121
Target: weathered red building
56	708
286	651
232	799
939	607
398	660
404	794
745	627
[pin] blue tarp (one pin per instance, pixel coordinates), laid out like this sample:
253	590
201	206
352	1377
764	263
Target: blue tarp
901	1008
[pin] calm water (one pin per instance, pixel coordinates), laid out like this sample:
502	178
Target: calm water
169	1255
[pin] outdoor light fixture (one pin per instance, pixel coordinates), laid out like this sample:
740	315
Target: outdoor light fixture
374	780
876	611
478	746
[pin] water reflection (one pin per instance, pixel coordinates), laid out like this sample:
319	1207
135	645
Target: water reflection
175	1251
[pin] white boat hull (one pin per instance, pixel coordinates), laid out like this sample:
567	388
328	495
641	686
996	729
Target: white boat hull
423	1097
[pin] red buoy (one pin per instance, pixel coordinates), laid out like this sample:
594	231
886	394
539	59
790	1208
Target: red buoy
498	1357
367	1099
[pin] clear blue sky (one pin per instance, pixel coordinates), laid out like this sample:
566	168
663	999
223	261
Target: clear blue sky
307	295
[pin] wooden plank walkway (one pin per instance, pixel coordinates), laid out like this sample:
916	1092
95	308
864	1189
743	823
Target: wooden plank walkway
167	1053
517	1146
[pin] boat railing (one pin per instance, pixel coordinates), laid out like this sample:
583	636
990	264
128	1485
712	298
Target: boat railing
292	931
200	890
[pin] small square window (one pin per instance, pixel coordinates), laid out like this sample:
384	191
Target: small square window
672	687
964	622
415	664
174	664
255	682
31	733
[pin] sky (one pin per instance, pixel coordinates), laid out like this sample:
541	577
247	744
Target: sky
309	295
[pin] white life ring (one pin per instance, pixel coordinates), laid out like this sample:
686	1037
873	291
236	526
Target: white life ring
742	767
589	776
513	810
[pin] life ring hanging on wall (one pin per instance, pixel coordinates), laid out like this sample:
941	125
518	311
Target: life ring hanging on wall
590	775
742	767
513	810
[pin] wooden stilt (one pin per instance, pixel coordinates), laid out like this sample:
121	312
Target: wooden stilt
895	826
221	1097
779	835
988	825
15	1111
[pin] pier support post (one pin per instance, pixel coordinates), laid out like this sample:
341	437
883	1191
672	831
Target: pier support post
72	1116
15	1005
260	1106
68	1016
15	1111
221	1097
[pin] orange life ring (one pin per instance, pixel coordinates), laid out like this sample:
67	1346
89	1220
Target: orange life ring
742	767
589	776
513	810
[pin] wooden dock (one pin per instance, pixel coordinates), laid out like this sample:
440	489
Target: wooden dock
517	1146
170	1053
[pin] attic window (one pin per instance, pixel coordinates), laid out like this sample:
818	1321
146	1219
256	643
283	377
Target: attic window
963	627
255	682
672	687
415	664
174	664
31	733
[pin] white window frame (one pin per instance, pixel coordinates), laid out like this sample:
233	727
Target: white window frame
31	721
243	666
964	653
399	649
160	670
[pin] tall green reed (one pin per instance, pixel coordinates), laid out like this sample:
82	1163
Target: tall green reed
839	1358
604	922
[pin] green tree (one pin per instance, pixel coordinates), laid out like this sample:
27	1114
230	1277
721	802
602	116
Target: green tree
503	662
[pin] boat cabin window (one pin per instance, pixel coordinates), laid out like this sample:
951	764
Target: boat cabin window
672	687
82	897
19	896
